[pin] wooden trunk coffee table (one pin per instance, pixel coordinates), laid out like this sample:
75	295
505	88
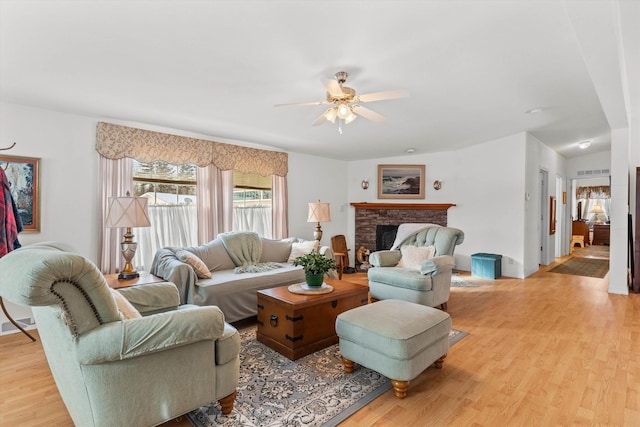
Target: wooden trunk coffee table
297	325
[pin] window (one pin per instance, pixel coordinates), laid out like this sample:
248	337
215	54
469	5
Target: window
252	207
119	145
171	190
165	184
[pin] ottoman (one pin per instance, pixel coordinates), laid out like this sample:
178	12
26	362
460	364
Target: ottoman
395	338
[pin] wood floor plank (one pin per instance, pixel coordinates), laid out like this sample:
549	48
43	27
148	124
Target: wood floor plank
551	349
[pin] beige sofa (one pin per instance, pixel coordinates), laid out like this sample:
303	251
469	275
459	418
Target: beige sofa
233	292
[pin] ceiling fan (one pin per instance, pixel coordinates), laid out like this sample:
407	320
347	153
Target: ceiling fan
346	105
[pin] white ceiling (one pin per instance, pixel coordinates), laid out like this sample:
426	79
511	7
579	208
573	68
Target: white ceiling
218	68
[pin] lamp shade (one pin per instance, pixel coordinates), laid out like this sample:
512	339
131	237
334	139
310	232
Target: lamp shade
597	209
127	212
319	212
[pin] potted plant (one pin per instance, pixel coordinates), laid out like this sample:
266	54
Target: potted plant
315	266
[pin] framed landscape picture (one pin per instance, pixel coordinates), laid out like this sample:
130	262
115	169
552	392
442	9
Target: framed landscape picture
401	181
24	181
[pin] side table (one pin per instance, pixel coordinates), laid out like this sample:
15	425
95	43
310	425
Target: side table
144	279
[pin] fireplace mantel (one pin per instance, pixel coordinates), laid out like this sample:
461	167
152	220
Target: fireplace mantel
429	206
369	215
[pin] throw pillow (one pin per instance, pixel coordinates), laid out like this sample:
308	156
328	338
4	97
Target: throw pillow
126	309
201	269
302	248
412	256
275	250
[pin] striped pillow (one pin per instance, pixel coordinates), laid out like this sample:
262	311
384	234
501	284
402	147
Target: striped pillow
201	269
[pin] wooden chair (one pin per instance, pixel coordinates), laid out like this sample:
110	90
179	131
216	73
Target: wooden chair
340	250
580	228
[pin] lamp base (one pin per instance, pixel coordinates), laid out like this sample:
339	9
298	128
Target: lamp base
127	276
128	248
317	234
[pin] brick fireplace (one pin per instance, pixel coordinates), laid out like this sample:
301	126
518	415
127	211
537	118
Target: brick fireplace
370	215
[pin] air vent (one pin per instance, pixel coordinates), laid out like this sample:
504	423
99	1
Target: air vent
25	323
594	172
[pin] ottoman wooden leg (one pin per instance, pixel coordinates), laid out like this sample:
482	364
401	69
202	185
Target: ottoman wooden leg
400	388
227	403
438	363
347	365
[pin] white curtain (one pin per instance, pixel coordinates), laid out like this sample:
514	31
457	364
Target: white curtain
279	201
214	192
114	180
171	225
185	225
253	218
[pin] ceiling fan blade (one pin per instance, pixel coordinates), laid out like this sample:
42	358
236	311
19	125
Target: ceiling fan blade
303	103
367	113
379	96
320	120
333	87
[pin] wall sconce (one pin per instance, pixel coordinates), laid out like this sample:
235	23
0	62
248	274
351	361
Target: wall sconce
437	184
365	183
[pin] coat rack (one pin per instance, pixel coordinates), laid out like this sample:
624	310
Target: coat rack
4	310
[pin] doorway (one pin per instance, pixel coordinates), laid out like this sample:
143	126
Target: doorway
590	202
544	217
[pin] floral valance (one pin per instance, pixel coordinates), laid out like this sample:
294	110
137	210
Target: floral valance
594	192
117	142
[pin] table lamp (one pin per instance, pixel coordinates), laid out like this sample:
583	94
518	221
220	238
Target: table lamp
597	211
319	212
127	212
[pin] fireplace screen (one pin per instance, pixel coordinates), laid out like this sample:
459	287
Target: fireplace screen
385	236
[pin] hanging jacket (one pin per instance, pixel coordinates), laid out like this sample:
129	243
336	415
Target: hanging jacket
10	221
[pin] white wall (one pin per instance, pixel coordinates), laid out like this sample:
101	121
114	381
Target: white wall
541	157
68	177
486	182
311	179
68	172
589	162
618	251
65	143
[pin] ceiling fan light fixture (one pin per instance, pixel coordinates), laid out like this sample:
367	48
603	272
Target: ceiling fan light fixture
351	117
584	144
344	111
331	114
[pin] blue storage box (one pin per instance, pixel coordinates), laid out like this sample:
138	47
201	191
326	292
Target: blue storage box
486	266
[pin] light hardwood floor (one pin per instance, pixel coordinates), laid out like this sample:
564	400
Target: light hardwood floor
551	349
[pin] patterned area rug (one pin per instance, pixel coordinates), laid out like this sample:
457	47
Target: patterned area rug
590	267
311	391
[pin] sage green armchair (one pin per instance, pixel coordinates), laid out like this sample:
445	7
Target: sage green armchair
117	371
429	283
